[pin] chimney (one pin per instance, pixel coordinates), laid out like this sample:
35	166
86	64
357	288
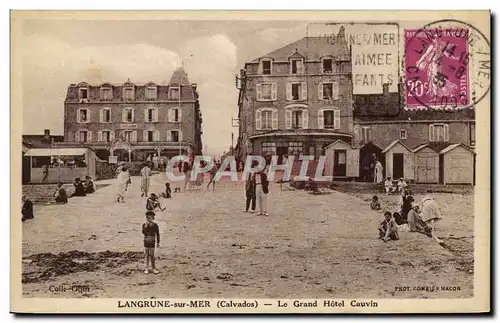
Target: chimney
385	88
341	36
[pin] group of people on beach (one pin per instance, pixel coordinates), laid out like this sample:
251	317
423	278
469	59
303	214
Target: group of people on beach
410	217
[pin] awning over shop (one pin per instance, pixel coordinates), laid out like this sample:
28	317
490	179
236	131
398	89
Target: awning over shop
56	152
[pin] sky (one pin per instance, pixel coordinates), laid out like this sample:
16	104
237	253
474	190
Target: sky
57	53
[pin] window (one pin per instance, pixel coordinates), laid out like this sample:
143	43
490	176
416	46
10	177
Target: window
151	115
328	65
266	92
296	92
328	90
150	136
296	66
266	67
106	136
173	93
127	135
151	93
365	134
106	94
174	115
83	136
438	132
267	120
296	119
174	135
402	134
83	116
269	147
105	115
295	148
328	119
472	134
84	94
128	115
128	94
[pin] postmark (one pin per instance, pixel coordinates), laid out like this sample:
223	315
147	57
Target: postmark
447	65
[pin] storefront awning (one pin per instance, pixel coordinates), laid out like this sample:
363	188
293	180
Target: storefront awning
34	152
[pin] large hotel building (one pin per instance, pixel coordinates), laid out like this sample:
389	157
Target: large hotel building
132	121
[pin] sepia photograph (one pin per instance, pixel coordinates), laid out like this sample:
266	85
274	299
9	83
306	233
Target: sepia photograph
250	162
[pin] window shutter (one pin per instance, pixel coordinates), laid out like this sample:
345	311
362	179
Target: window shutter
124	115
288	119
305	119
431	132
275	119
261	69
169	115
180	135
259	92
335	90
274	93
300	67
368	134
289	91
99	135
155	115
258	120
356	133
180	115
321	119
446	130
320	91
101	116
146	115
144	135
336	119
169	135
303	86
134	134
89	136
77	136
133	115
112	135
157	135
78	113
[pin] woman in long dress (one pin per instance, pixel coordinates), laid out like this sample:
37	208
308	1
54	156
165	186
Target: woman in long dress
145	180
379	169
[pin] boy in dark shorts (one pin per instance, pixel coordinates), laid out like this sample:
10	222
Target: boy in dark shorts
151	233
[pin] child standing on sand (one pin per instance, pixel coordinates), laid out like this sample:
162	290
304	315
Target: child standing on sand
151	233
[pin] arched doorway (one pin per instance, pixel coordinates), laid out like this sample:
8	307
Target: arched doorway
367	155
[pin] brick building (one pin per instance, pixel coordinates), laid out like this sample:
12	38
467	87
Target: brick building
296	100
134	121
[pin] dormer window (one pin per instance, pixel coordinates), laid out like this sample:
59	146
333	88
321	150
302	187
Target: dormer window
327	65
106	93
296	66
128	94
174	93
266	66
151	93
84	93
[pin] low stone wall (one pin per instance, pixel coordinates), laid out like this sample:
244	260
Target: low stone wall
43	193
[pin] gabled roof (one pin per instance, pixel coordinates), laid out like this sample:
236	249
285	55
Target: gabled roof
436	146
312	48
392	144
335	142
179	77
453	146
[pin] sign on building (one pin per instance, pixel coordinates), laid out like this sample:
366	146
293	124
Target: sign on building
113	159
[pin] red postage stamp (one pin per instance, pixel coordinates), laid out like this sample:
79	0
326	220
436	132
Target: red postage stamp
436	67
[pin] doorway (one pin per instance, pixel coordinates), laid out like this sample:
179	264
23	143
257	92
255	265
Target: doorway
339	162
397	166
281	151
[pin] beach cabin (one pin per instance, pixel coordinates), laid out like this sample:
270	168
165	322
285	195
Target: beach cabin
342	160
426	164
52	165
399	161
457	165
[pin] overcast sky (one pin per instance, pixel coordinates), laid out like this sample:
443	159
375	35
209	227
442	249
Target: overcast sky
57	53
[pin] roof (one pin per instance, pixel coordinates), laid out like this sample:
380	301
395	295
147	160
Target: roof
436	146
453	146
312	48
337	141
56	152
300	132
392	144
179	77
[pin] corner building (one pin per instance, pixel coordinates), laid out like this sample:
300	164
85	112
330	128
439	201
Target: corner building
298	99
132	121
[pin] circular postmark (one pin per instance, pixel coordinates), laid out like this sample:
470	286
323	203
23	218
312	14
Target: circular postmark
447	65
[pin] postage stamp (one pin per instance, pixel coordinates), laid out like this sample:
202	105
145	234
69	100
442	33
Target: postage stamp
243	162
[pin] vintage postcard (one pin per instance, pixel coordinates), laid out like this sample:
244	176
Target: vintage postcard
250	162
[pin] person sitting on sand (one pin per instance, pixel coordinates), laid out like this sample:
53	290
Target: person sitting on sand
375	204
168	191
398	218
153	203
388	186
416	224
79	188
402	186
388	229
60	196
27	209
89	185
